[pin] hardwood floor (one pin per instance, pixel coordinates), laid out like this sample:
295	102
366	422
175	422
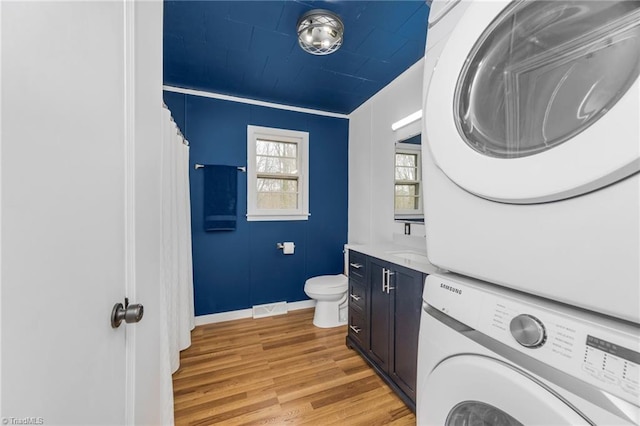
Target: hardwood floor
280	370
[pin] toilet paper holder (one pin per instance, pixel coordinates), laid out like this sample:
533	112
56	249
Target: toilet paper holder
286	247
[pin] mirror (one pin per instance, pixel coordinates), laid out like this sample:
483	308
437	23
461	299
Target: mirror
408	180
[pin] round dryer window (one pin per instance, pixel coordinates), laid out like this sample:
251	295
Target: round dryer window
537	101
478	413
544	71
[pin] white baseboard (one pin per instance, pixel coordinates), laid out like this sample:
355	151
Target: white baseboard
247	313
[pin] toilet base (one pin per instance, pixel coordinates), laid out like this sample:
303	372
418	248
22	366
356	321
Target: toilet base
327	314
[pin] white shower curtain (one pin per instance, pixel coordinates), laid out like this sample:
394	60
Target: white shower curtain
177	275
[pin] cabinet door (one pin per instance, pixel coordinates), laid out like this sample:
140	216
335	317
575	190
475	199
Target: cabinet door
379	315
406	306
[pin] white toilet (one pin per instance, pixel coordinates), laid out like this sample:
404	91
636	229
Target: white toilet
330	294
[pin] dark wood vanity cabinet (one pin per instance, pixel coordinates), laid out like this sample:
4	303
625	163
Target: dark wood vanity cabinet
385	302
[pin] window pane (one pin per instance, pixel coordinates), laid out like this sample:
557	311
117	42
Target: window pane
276	149
277	185
276	165
276	157
406	173
277	200
290	185
407	197
290	150
406	160
406	203
406	166
277	193
406	189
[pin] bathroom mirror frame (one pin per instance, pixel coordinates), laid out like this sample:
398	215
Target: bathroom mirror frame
405	142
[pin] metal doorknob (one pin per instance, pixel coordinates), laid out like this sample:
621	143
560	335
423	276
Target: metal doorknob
129	314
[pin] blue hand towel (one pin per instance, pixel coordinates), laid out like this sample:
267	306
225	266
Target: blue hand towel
220	198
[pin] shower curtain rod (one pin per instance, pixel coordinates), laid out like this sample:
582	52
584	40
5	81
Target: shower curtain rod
200	166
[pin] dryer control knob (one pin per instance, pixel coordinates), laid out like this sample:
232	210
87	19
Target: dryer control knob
528	331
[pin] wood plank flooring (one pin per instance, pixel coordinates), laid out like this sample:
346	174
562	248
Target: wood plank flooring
280	370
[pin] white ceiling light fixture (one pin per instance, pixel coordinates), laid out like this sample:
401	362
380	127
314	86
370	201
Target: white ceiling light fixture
407	120
320	32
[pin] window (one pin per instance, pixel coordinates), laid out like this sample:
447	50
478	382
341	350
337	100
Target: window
277	174
408	188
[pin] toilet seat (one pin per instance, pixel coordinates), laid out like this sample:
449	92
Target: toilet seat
327	284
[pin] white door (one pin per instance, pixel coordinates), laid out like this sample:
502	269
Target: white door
537	101
473	389
80	210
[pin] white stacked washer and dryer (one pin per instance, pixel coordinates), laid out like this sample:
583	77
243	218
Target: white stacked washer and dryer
531	156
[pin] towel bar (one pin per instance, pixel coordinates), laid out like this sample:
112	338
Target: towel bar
200	166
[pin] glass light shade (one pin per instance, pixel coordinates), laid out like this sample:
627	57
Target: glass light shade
320	32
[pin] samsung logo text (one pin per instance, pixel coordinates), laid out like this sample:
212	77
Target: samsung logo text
451	289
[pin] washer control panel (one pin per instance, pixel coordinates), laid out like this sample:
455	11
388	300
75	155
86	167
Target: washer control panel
595	349
611	363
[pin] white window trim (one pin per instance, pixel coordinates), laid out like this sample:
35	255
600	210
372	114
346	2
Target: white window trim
407	148
300	138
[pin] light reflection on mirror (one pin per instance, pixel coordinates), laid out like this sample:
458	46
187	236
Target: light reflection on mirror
408	180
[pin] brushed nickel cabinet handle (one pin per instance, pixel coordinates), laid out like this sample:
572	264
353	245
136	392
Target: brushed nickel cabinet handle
354	297
355	329
389	273
356	265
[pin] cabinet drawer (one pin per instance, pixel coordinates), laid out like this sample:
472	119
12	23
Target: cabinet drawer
358	329
357	296
357	266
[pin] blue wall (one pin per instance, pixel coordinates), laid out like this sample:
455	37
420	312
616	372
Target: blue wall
238	269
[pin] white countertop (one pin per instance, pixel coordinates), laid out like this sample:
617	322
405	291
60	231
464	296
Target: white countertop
409	257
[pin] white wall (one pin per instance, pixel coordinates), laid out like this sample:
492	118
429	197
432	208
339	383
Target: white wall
371	157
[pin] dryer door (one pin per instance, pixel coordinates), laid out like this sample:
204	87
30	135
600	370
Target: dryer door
478	390
537	101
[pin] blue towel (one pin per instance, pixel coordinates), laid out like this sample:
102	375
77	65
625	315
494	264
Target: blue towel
220	198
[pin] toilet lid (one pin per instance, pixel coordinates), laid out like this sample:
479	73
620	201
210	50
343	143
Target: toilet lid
328	281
